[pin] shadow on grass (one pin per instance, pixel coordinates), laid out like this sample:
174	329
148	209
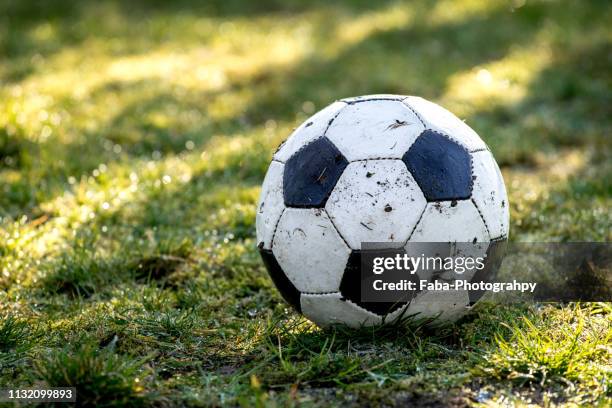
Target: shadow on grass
69	24
417	59
379	363
566	106
99	376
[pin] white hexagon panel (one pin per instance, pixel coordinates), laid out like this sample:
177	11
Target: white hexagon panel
439	119
489	194
451	221
330	309
270	206
312	128
375	128
442	306
309	250
449	228
375	201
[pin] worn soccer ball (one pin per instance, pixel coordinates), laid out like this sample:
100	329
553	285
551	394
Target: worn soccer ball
378	168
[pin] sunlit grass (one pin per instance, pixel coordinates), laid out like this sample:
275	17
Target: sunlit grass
502	82
574	355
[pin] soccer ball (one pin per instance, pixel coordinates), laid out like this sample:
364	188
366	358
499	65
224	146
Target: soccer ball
378	168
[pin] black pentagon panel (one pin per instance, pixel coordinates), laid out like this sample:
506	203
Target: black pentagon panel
282	282
311	174
493	260
441	167
350	288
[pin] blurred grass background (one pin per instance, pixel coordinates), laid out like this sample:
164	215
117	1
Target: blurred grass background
133	140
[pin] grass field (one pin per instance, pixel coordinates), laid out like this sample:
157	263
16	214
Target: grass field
133	140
